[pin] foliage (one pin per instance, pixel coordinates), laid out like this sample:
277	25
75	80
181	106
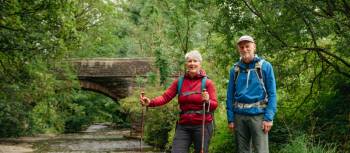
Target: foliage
35	39
34	36
89	107
329	121
163	66
46	119
306	41
12	116
32	101
152	78
104	30
223	139
76	119
157	121
301	144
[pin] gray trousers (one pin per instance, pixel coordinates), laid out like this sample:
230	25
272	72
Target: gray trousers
185	135
248	132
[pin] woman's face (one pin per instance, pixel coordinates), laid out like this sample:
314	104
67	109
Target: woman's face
193	66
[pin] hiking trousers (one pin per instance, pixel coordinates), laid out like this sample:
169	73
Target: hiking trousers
249	132
185	135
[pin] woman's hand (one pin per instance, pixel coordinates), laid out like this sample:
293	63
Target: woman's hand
144	100
205	96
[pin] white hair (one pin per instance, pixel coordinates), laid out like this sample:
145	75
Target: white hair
194	54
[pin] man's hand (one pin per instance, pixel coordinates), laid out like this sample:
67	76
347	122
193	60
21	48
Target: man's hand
266	126
231	126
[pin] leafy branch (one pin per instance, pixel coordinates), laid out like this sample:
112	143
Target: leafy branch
336	66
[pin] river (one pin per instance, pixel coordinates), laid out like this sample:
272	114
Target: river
97	138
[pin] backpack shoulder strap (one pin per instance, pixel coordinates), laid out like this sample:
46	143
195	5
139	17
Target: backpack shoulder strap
258	67
181	80
237	71
179	84
204	80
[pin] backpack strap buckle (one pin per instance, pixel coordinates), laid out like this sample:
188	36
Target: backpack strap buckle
259	104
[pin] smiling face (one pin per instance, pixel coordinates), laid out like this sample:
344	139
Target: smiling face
246	50
193	66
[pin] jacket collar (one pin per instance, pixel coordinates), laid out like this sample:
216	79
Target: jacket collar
200	74
251	65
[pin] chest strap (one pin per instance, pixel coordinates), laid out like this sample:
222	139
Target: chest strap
259	104
187	93
195	112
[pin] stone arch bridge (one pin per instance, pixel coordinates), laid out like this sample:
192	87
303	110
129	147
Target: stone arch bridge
113	77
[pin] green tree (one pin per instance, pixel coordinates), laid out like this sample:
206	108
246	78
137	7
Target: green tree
306	43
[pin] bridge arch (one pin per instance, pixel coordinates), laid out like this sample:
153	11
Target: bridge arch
113	77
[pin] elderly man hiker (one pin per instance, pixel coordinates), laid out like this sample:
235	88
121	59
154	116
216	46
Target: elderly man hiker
251	99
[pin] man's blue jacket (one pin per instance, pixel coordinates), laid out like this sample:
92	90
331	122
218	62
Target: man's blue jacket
248	89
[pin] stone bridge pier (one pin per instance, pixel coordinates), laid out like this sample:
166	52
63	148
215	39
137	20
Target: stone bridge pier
113	77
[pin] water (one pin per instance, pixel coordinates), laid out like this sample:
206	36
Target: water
98	138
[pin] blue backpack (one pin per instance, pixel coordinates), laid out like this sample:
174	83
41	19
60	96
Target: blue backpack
257	69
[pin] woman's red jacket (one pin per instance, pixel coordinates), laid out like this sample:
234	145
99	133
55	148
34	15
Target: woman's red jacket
191	102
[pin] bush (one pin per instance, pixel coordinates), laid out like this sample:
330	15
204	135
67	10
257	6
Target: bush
76	119
75	123
158	124
13	118
302	144
46	119
158	121
89	107
223	139
329	121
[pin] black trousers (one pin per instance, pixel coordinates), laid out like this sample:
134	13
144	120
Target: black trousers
185	135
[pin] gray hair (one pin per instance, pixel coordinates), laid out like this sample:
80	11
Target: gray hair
194	54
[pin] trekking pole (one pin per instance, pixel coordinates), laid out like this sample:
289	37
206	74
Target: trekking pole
203	126
142	120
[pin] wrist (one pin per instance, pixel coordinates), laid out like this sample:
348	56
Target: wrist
268	122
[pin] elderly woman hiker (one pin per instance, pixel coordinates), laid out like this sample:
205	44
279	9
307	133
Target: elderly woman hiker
197	99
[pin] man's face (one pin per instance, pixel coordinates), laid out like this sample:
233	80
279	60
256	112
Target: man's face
246	50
